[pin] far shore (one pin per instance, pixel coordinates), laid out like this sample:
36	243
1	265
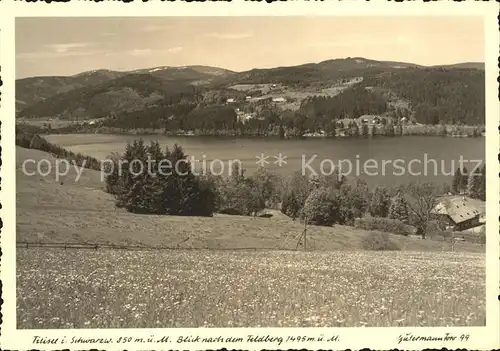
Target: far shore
235	134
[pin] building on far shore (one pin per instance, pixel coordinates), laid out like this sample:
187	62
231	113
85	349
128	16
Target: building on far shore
245	117
369	119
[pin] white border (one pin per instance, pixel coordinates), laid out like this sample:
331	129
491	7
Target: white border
482	338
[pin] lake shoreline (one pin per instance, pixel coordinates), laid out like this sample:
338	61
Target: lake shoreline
249	136
362	131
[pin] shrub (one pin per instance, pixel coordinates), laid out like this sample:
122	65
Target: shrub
290	205
399	208
240	194
321	207
269	185
295	193
380	202
39	143
384	225
377	241
353	202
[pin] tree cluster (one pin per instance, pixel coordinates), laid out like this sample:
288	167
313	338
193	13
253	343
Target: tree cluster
147	180
350	103
320	201
476	184
26	138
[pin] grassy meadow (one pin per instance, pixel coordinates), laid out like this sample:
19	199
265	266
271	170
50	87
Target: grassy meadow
139	289
334	284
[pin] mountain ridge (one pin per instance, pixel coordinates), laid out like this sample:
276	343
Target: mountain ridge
31	90
97	93
204	68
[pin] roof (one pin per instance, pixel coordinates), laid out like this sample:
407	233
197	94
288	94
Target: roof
369	118
457	208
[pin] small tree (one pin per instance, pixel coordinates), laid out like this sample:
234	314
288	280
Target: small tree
456	184
421	199
241	194
353	202
389	127
482	184
364	130
39	143
359	198
300	185
237	173
399	208
215	183
380	202
290	205
255	201
321	207
333	181
114	181
353	129
314	182
465	179
474	184
268	185
460	179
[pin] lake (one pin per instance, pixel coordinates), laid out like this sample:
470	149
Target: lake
380	161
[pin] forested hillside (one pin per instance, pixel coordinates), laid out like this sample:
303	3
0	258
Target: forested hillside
351	103
132	92
324	94
438	94
35	89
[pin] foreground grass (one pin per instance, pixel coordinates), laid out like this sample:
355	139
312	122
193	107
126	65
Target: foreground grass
139	289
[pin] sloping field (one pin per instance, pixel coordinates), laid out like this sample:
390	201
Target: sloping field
296	96
163	289
80	211
73	288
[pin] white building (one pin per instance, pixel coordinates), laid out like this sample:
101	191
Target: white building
245	117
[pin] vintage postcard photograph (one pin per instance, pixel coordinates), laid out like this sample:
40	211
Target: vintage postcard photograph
249	181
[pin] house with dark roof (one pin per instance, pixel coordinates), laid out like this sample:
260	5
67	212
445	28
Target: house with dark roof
459	212
369	119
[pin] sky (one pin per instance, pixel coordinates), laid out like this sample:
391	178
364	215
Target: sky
66	46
